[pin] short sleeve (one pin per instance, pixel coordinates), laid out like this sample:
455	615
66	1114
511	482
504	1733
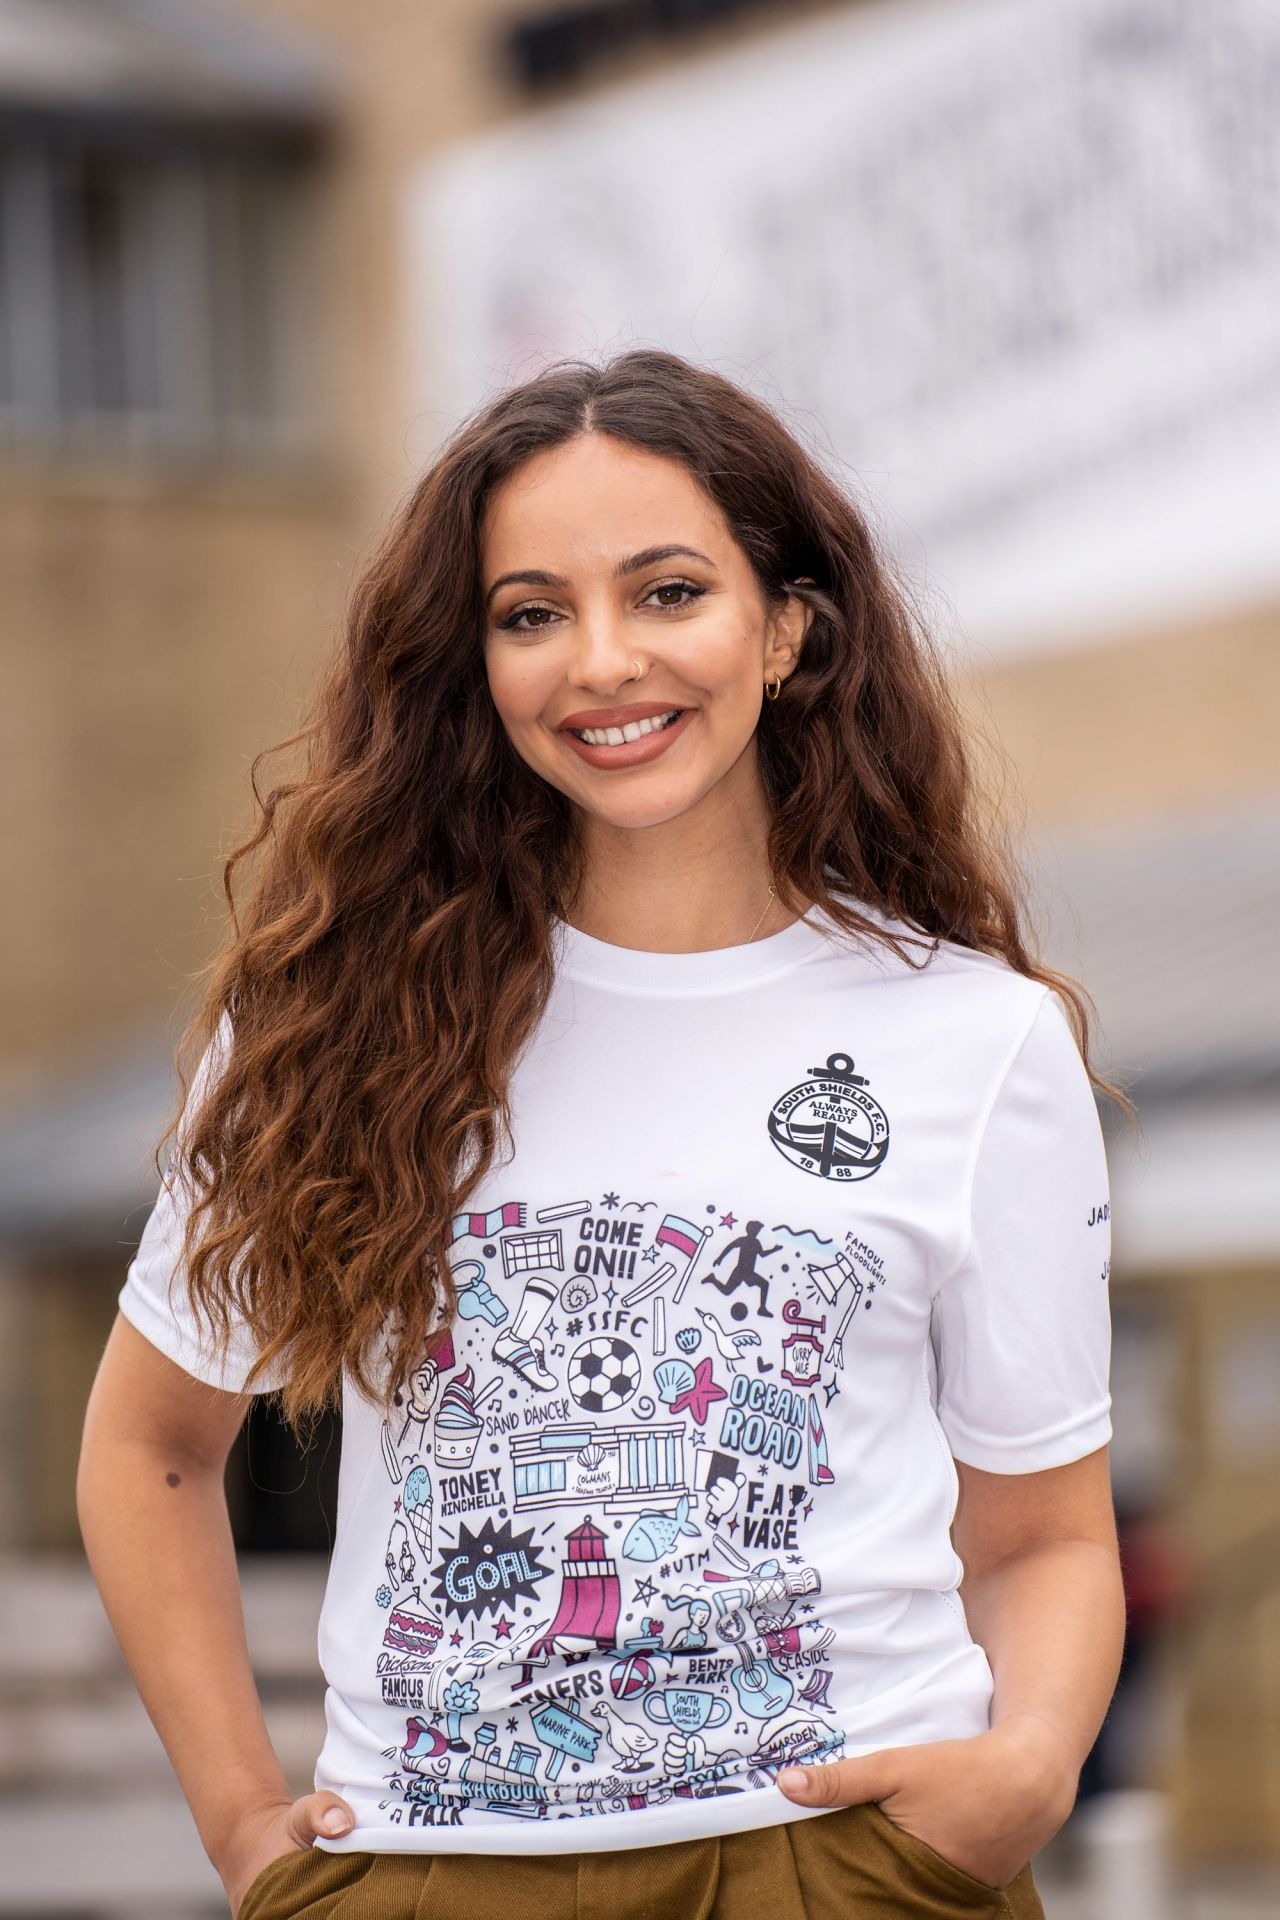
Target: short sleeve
1022	1329
154	1295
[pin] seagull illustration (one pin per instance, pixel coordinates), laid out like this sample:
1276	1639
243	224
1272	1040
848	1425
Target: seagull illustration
730	1346
484	1652
470	1662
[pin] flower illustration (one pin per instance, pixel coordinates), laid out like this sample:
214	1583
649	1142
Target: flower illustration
459	1697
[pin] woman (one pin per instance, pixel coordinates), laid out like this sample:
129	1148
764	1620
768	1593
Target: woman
629	1082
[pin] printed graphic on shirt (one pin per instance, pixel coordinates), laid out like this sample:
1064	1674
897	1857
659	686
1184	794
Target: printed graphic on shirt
830	1125
595	1593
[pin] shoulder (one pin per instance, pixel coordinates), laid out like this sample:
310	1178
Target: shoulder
947	980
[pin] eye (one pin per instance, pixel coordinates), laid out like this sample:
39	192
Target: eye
512	620
677	586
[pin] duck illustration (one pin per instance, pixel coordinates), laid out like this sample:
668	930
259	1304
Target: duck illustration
730	1346
628	1742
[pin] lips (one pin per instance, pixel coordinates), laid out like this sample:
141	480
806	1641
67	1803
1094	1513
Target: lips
599	717
633	732
653	743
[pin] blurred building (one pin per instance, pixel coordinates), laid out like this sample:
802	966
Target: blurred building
1015	276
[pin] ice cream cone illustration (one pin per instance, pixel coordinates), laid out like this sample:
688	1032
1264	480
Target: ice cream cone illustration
418	1508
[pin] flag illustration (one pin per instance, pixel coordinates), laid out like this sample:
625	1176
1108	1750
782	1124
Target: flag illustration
680	1234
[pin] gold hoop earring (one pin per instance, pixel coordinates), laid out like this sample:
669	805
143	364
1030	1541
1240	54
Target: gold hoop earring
771	693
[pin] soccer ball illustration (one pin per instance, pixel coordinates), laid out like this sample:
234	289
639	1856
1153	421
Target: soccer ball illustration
603	1374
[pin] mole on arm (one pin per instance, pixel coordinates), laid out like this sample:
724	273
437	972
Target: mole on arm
173	1479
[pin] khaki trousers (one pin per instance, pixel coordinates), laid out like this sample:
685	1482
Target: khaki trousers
852	1863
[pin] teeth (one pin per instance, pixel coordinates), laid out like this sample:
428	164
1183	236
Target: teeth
614	736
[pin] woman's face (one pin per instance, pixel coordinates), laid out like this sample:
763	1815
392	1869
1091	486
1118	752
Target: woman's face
601	561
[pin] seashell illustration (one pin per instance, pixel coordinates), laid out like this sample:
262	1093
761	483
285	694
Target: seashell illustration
590	1457
689	1339
671	1378
577	1294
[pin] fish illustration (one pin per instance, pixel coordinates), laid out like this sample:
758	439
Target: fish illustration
650	1535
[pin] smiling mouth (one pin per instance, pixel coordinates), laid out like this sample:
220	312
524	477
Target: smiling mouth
635	730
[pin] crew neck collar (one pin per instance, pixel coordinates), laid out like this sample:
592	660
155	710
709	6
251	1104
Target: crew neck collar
582	957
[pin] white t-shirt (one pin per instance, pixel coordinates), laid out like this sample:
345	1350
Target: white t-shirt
787	1226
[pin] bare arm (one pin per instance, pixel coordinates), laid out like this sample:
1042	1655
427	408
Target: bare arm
151	1500
1043	1595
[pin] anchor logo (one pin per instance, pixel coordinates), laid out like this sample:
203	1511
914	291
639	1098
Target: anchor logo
830	1125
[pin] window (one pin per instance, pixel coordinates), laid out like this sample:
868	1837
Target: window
539	1476
152	298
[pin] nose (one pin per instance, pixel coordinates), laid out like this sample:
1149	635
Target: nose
603	654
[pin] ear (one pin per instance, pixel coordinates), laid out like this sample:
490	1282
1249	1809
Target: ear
787	630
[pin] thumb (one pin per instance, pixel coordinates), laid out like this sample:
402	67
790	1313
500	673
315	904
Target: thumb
841	1783
319	1813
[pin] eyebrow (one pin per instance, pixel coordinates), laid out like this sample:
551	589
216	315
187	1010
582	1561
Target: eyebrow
632	563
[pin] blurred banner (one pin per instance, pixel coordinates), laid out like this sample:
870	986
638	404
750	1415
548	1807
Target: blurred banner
1019	266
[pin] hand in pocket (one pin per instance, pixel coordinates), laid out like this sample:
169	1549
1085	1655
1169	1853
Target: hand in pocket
984	1806
276	1832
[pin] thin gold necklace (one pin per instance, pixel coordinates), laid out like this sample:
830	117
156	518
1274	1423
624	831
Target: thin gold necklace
751	936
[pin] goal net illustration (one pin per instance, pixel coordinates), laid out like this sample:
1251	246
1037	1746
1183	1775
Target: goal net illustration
532	1253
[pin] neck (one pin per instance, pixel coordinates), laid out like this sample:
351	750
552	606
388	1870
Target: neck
681	920
707	897
682	886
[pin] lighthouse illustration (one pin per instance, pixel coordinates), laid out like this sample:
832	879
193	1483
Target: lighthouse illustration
587	1615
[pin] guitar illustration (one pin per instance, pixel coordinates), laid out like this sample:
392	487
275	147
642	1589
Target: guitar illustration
762	1691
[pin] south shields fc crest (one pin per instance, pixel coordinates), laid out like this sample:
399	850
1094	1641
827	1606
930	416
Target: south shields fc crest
830	1125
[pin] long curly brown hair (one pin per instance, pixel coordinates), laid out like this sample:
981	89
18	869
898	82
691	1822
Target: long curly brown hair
394	954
